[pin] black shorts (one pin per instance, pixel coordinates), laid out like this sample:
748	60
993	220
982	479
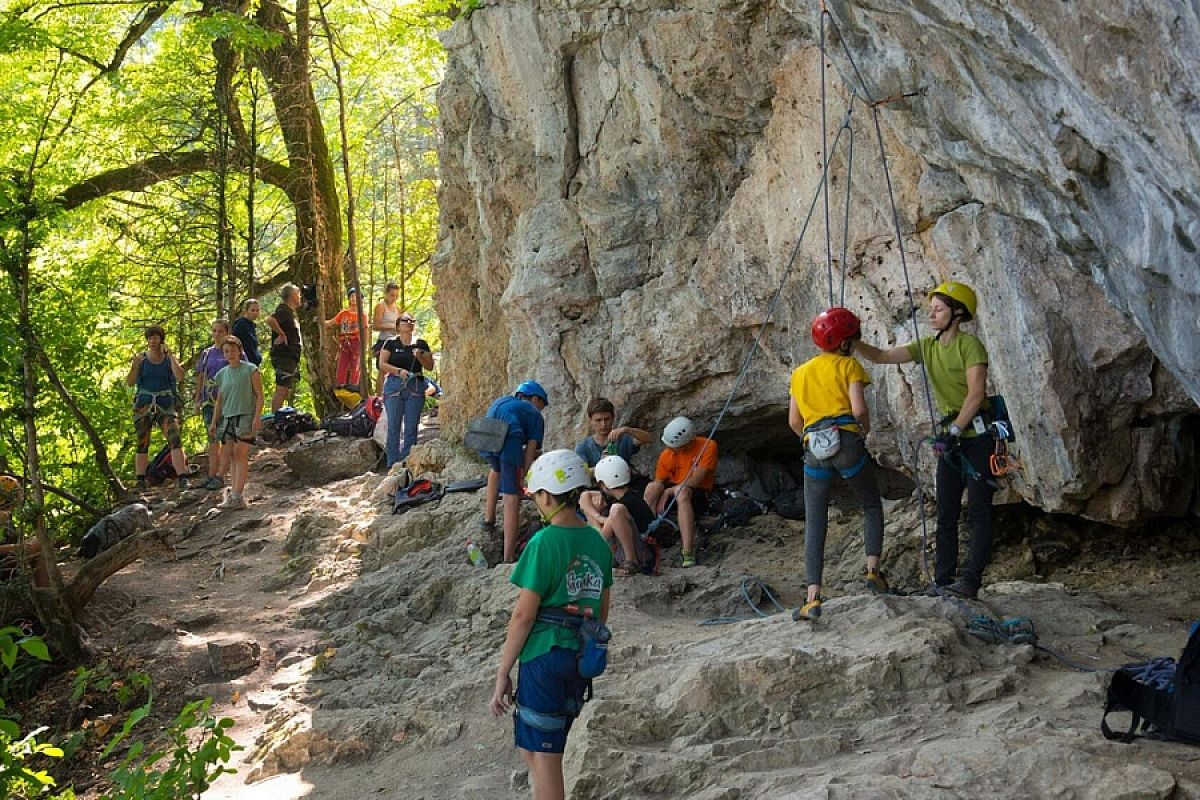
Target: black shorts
287	368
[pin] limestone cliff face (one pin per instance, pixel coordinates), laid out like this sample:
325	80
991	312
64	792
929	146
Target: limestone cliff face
624	183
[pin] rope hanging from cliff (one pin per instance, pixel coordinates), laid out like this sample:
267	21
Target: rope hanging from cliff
762	329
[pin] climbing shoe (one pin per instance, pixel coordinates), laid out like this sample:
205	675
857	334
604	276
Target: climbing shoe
688	559
809	611
487	527
875	582
961	589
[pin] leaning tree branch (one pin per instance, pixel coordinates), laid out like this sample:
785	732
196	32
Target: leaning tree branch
114	483
144	174
111	561
74	498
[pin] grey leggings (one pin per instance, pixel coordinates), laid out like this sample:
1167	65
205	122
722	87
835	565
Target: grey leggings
818	477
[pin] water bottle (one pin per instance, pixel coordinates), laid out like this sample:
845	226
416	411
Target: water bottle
611	449
476	556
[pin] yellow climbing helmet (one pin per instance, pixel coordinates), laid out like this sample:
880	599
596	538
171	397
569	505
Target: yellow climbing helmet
960	293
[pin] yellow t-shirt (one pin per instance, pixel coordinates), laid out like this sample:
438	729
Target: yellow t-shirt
821	387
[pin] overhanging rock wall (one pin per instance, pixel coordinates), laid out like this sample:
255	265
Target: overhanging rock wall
623	185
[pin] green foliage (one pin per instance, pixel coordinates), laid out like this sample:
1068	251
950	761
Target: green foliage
199	744
19	777
101	678
187	769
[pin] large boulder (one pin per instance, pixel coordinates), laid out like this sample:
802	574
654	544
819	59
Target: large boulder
322	459
622	196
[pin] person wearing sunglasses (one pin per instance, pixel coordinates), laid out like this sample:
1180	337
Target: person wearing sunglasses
403	361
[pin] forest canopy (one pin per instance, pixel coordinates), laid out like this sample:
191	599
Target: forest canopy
162	161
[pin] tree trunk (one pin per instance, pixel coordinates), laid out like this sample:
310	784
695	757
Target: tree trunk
352	260
51	605
312	188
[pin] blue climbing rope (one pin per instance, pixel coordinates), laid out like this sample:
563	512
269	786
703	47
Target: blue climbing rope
747	584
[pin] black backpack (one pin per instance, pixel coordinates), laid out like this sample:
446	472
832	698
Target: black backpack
161	469
357	423
1162	695
288	422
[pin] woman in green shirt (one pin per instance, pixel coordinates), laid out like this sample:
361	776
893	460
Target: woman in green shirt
567	565
236	416
956	363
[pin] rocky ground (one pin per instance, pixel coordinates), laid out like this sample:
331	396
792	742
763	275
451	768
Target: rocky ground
356	649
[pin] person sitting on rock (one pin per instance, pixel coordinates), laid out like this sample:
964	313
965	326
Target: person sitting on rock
685	472
522	410
567	566
828	411
956	364
607	440
619	513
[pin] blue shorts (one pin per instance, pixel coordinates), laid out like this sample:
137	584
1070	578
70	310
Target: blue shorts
510	475
549	684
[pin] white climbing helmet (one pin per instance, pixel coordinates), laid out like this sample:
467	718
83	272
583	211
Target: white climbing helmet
612	471
678	432
558	472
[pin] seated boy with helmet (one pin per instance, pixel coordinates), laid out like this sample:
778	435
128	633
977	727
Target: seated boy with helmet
618	513
685	473
522	411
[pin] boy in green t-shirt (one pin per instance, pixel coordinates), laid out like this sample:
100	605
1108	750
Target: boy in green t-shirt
828	411
566	565
956	363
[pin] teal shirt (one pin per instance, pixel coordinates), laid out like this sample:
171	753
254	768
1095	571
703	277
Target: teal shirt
947	365
233	384
563	566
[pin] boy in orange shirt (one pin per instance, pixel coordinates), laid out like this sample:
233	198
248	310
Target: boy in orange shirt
685	471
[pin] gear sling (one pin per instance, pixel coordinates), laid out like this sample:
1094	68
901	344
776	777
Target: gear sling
594	636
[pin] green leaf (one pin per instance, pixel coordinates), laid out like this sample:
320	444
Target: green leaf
35	647
10	729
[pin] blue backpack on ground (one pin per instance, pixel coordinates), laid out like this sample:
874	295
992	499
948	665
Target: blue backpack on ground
1162	695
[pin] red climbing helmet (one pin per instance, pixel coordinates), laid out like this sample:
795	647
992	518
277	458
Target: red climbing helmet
834	326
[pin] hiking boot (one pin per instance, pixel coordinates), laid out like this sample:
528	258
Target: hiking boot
213	483
875	582
961	589
182	483
233	501
809	611
687	560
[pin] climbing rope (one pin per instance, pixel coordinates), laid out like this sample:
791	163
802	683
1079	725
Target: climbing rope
754	346
748	583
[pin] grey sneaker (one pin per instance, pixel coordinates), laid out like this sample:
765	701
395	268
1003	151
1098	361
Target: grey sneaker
213	483
233	501
182	483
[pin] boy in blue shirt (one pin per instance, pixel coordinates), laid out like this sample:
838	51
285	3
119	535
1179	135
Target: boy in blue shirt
522	410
